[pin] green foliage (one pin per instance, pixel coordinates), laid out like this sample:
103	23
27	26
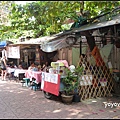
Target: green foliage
49	16
71	80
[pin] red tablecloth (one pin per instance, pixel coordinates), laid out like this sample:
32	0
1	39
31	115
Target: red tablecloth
50	83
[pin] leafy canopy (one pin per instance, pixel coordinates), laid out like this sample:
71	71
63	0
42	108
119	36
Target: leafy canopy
42	18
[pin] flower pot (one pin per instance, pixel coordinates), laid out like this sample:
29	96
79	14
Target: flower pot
67	98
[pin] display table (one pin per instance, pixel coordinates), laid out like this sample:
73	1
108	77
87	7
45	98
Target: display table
50	83
10	70
18	71
34	74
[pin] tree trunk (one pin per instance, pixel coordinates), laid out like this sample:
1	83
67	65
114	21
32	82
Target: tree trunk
93	48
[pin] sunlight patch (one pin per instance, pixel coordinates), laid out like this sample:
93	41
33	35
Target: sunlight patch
73	113
104	102
47	111
87	113
94	101
55	111
110	111
11	90
20	91
32	94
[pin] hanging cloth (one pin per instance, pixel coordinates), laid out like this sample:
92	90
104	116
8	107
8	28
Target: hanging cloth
96	54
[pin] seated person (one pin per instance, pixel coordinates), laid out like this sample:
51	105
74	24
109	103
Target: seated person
31	66
20	66
39	67
45	67
35	68
24	65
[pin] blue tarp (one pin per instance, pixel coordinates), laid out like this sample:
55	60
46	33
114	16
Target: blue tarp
3	44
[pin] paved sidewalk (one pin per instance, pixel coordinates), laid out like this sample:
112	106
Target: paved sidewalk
22	102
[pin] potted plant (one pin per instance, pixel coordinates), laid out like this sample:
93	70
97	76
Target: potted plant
71	83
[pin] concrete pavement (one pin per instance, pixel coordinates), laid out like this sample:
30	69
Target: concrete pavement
17	102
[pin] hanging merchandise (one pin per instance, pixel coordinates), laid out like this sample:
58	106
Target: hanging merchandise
105	52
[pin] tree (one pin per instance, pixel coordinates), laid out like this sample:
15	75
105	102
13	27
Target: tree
4	20
46	18
4	11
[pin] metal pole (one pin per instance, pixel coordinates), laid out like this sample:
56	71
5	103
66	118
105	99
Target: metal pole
115	31
80	47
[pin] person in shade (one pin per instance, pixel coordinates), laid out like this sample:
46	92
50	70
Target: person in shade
3	68
31	66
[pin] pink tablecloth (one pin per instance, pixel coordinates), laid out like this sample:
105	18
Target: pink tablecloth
28	74
64	62
34	74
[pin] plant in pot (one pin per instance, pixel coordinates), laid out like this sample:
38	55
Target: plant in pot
71	83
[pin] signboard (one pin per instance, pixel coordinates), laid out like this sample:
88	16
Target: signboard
50	83
13	52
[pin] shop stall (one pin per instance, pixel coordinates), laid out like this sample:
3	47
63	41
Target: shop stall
51	83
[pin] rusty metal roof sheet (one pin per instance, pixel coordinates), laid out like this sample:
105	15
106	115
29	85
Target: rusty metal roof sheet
115	20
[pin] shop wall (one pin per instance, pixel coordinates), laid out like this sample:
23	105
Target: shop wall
71	54
115	58
75	56
41	57
65	54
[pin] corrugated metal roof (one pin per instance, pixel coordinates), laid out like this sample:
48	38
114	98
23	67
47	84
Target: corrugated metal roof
115	20
91	26
36	41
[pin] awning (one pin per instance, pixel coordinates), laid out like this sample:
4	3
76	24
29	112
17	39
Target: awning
2	44
5	43
36	41
57	44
